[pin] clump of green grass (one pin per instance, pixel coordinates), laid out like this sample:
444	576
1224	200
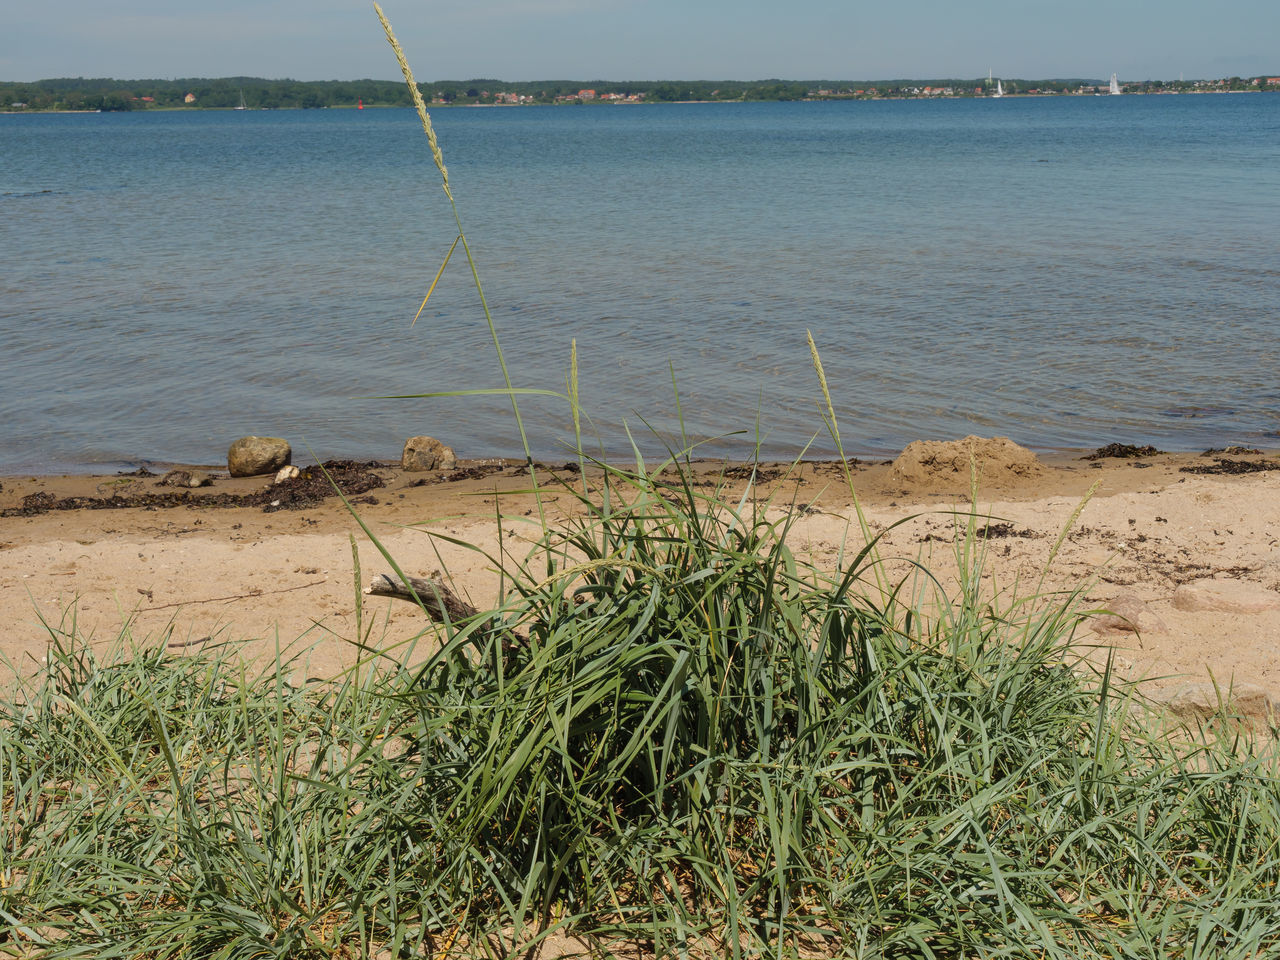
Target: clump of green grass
683	737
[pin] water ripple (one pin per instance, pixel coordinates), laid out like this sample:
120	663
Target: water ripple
180	279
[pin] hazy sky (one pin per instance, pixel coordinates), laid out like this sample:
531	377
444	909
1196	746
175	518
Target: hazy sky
641	39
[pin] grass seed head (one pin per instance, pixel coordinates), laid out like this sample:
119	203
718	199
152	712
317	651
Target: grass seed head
414	92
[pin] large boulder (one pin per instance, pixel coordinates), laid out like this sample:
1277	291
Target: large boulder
426	453
252	456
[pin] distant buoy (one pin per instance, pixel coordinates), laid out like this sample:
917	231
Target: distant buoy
359	103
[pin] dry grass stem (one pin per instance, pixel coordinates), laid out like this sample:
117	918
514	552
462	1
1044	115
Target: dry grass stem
418	102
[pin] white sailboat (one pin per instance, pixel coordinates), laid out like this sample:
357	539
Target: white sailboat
1115	87
241	106
999	89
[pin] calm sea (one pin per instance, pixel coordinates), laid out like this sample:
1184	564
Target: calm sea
1067	272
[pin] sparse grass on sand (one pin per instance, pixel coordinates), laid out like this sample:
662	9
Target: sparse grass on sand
674	736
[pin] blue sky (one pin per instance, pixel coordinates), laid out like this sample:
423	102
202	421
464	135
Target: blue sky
642	39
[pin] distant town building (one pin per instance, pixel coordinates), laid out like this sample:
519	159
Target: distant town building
189	98
586	94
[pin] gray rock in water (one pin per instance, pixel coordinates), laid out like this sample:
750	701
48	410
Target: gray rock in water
252	456
1225	596
426	453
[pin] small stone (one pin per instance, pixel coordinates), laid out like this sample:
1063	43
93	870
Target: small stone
253	456
185	478
426	453
1225	596
1127	614
1204	700
290	472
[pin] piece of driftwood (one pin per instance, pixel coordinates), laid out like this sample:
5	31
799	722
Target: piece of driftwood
441	603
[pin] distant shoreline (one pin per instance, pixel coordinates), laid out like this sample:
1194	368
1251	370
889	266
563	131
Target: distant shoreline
601	103
79	94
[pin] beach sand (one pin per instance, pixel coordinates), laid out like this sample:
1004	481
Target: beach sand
1191	561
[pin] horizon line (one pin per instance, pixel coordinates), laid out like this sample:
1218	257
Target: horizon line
901	79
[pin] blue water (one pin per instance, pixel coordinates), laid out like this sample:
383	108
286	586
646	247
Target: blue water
1064	271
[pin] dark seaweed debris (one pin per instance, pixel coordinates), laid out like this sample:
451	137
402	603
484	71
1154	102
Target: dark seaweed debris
1123	451
990	531
308	489
1222	465
1231	451
995	531
466	473
315	485
748	471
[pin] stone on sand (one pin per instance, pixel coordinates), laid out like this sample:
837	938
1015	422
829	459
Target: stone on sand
1205	700
185	478
996	459
1225	596
426	453
253	456
1127	614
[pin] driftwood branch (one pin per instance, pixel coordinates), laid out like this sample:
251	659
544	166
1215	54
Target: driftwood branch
441	603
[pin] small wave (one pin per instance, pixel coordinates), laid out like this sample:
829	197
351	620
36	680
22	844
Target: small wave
1194	412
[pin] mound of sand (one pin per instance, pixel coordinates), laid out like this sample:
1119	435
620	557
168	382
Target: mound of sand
997	460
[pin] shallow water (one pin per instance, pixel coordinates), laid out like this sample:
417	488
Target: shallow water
1064	271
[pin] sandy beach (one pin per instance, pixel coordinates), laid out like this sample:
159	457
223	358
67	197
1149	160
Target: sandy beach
1188	562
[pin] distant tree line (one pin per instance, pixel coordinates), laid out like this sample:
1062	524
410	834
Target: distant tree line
82	93
255	93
